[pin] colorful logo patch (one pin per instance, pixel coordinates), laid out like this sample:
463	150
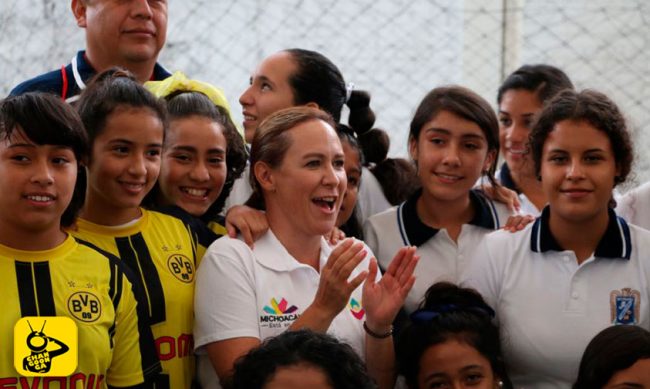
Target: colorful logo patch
625	305
45	346
357	311
279	308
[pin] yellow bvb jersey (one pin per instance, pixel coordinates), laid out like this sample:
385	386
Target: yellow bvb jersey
115	345
162	252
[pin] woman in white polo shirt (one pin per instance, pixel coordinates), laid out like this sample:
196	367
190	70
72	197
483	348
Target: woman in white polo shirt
521	97
454	140
292	278
579	267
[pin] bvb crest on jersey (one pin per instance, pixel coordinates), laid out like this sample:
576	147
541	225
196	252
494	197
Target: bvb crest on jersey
181	267
625	305
45	346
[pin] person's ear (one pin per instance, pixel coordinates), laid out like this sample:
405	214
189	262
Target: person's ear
489	159
413	149
79	11
265	177
311	104
617	178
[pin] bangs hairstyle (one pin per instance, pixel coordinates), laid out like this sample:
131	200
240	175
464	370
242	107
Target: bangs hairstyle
46	120
466	104
113	89
594	108
271	142
450	313
184	104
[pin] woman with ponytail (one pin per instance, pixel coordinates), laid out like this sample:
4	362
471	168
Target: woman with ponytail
299	77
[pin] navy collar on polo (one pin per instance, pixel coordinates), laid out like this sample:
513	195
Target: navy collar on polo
505	178
83	71
414	232
615	243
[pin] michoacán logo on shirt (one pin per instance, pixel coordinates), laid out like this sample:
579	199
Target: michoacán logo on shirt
279	314
355	308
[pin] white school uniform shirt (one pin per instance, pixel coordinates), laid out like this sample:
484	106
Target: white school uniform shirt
259	293
371	199
241	190
441	259
548	306
634	206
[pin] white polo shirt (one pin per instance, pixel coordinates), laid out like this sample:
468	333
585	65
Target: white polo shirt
548	306
634	206
241	190
259	293
371	199
441	259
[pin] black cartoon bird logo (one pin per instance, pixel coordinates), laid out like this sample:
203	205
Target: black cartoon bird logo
40	358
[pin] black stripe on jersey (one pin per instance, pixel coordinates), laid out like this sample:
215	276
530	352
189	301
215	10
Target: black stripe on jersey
44	289
119	272
161	381
35	289
198	229
26	294
115	282
134	252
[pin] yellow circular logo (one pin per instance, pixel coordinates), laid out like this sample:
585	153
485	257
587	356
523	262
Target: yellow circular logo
181	267
85	306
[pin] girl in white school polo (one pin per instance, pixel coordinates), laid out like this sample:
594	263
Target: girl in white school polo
454	140
579	267
292	278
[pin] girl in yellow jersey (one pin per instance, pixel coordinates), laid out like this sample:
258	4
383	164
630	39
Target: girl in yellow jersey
203	154
126	126
47	276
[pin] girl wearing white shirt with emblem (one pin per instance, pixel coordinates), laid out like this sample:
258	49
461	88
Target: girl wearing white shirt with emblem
579	267
454	140
520	98
292	278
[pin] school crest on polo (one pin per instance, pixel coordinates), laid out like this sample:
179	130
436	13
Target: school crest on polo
625	305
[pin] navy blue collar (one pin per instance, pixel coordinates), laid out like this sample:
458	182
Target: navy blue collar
615	243
414	232
505	178
86	71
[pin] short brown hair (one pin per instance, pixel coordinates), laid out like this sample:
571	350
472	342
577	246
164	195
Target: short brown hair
271	142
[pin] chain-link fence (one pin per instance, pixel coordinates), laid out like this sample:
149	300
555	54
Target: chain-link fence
396	49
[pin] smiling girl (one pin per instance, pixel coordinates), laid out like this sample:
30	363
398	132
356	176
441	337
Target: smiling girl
453	141
520	99
203	153
126	126
45	271
579	267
